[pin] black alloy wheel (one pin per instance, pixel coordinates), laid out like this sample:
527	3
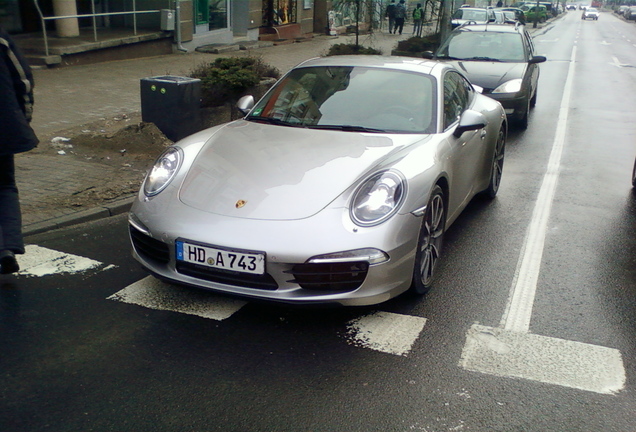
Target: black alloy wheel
497	164
429	245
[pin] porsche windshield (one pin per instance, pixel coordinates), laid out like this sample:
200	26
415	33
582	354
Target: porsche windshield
356	99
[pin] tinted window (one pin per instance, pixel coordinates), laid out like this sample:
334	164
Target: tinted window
458	94
471	45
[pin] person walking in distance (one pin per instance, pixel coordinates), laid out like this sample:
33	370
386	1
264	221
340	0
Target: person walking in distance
418	18
400	15
16	136
390	14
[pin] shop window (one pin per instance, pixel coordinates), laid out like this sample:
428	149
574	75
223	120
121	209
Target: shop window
218	14
279	12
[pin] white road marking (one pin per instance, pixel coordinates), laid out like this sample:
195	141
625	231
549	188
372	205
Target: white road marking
381	331
510	351
385	332
617	63
549	360
40	261
524	286
154	294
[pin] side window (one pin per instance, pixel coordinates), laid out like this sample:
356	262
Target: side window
457	95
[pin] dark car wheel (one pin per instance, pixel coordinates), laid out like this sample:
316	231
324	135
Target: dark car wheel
522	120
497	165
533	101
429	245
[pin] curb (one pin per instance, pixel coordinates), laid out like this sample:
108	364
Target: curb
114	208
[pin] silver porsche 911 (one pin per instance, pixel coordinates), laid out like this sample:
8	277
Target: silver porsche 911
336	187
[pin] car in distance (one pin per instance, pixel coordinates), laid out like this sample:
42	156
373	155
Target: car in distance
532	13
501	60
335	188
591	13
630	13
621	9
570	6
473	15
515	13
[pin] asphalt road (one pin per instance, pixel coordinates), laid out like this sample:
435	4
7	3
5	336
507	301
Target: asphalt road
530	326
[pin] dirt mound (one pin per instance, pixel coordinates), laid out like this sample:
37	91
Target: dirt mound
124	143
134	145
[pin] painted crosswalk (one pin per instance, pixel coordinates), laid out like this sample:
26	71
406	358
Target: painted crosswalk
380	331
506	352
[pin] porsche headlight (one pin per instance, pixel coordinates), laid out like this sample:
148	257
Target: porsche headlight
512	86
163	171
378	198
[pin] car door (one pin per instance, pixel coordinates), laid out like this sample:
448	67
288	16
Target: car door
466	157
532	71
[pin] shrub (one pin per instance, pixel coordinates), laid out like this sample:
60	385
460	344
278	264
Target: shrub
346	49
227	78
418	44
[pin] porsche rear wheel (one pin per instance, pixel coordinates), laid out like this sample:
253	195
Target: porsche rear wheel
429	245
497	165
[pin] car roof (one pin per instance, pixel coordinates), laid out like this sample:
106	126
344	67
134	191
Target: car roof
495	28
378	61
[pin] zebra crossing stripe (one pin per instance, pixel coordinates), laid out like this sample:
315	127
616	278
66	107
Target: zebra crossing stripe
385	332
154	294
40	261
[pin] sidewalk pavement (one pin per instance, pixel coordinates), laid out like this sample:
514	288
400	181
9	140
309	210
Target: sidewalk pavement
76	96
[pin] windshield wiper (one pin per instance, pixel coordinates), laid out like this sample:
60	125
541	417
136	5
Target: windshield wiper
447	57
272	120
483	59
347	128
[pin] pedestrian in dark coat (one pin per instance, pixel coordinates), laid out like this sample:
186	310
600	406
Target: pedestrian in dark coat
400	16
390	13
16	136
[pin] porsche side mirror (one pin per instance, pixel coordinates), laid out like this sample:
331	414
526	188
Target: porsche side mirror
245	104
428	54
537	59
470	120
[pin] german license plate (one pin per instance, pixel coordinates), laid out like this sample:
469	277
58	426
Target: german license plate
226	259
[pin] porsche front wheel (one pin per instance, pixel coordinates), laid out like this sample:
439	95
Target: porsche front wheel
429	245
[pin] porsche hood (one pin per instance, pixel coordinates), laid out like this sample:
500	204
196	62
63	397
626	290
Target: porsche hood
259	171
